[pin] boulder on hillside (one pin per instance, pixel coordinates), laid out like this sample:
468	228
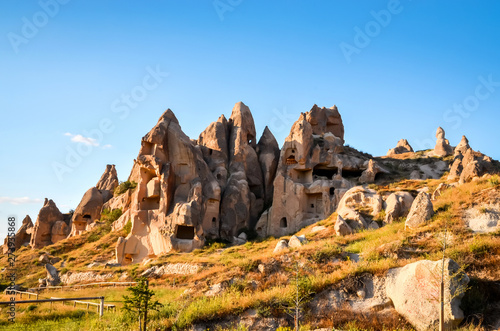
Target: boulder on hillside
421	211
398	205
439	190
442	147
281	246
22	238
297	241
415	292
402	147
362	198
341	227
52	275
355	220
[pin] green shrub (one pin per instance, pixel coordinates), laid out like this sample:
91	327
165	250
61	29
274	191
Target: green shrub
494	180
31	307
326	253
124	187
109	216
128	227
480	247
248	265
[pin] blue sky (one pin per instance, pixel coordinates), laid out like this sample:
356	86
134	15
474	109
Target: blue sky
93	77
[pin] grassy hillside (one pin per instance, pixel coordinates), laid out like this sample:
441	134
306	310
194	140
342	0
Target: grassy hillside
327	261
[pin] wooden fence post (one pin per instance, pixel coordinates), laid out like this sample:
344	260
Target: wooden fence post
101	307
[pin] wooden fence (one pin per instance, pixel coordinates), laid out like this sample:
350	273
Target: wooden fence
62	287
100	305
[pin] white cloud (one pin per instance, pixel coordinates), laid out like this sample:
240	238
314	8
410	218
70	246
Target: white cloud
106	146
19	201
78	138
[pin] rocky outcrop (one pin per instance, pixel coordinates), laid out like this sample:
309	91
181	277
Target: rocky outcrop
442	147
371	172
398	205
171	269
176	202
402	147
462	146
243	198
90	207
421	211
326	120
470	164
214	146
108	182
269	154
84	277
22	238
50	226
314	171
415	292
87	212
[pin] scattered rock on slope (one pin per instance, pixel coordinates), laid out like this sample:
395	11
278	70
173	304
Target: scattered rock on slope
421	211
341	227
398	205
52	275
483	219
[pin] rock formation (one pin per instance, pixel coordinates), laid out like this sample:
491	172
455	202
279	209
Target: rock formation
462	146
421	211
371	171
243	198
269	154
415	290
468	164
50	226
442	147
177	198
108	182
90	207
402	147
225	182
313	172
23	236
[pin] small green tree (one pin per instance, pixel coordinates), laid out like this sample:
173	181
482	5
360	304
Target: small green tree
301	293
139	303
